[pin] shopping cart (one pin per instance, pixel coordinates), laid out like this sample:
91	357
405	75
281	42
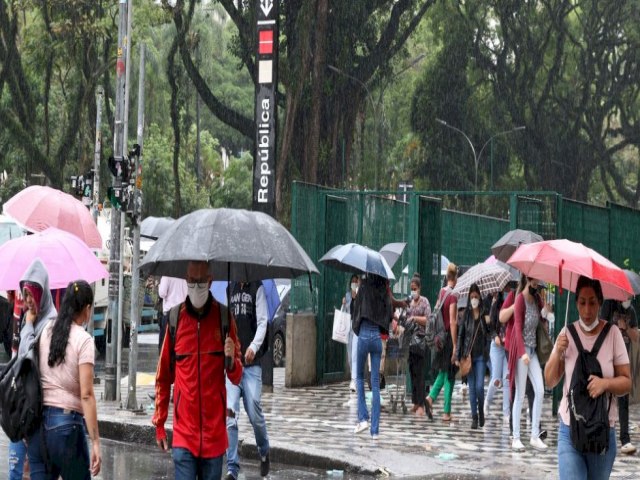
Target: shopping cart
398	351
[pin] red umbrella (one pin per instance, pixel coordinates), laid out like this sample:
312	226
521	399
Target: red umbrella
561	262
37	208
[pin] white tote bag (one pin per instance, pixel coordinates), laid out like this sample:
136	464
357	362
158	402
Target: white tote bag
341	326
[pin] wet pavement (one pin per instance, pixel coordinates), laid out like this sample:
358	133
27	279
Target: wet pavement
312	428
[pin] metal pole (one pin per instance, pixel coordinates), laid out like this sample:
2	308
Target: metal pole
114	247
135	272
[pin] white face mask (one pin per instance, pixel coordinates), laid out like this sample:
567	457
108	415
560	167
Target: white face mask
588	328
354	287
198	295
475	302
415	294
626	304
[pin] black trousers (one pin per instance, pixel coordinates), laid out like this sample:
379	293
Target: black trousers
623	418
416	370
164	322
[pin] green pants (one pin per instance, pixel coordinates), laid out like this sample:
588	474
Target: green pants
443	379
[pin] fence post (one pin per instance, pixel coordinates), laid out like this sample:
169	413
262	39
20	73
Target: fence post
513	211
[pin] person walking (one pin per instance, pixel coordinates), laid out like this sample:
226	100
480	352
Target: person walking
523	361
372	316
418	313
66	360
352	345
472	334
623	315
615	381
444	362
248	304
38	312
172	291
194	361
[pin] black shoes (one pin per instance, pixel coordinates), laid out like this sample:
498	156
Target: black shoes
264	466
474	423
481	417
229	476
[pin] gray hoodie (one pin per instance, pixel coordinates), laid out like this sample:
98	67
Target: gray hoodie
37	273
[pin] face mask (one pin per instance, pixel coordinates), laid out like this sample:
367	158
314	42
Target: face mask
198	295
415	294
354	287
588	328
533	291
475	303
626	304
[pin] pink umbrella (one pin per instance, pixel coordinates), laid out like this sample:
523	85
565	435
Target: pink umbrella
38	208
66	257
561	262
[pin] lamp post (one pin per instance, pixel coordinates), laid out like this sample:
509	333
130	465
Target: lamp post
476	157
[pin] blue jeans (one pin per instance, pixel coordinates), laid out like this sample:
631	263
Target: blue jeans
67	450
573	464
476	384
189	467
499	372
17	453
534	372
352	354
369	342
250	389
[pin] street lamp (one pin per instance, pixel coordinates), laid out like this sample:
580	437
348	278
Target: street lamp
476	158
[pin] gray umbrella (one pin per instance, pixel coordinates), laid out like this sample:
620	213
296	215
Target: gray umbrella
239	245
634	280
510	241
353	257
153	227
392	251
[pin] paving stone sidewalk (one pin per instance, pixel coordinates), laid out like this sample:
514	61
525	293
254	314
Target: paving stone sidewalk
314	427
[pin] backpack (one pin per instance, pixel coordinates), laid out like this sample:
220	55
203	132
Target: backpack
589	416
435	333
21	395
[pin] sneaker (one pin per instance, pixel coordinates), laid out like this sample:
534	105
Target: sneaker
374	436
265	464
538	444
542	435
352	386
628	449
229	476
517	445
361	427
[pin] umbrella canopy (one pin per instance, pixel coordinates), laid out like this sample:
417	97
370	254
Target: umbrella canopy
392	252
219	291
561	262
239	245
634	280
510	241
353	257
37	208
444	263
153	227
515	273
490	279
66	257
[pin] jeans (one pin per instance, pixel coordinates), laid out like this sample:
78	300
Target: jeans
499	373
475	378
534	373
250	389
17	453
443	379
574	464
416	370
352	354
369	342
623	418
63	435
189	467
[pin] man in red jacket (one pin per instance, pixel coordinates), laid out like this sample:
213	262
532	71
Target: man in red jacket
197	371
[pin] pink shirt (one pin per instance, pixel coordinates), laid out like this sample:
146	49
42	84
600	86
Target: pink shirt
612	352
61	384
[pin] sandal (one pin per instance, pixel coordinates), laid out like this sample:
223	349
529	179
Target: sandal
428	409
447	418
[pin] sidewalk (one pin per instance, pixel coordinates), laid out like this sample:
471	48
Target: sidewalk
314	427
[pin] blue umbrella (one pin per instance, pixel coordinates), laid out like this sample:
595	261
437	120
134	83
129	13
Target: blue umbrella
353	257
219	291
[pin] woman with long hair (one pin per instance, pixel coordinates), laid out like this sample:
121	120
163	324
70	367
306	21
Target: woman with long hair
67	357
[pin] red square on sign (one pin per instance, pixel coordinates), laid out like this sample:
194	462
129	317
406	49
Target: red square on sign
265	42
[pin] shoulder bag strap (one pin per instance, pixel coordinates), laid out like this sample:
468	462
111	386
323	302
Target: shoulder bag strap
574	333
474	337
601	338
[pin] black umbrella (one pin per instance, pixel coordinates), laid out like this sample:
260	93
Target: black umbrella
510	241
153	227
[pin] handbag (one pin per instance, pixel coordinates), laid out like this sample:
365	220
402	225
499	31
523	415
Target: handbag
417	344
465	362
341	326
544	345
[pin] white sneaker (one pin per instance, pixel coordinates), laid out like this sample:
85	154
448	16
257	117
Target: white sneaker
538	444
506	419
374	436
628	449
517	445
361	427
352	386
486	409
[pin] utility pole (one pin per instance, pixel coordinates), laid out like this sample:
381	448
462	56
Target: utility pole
114	246
135	260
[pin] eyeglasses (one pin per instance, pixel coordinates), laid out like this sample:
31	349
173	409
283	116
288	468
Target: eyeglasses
197	284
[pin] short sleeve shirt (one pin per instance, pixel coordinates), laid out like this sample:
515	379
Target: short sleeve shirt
61	383
451	300
612	353
421	309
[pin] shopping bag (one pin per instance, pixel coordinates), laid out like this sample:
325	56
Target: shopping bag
341	326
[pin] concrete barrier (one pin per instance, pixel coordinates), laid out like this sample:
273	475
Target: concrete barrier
300	363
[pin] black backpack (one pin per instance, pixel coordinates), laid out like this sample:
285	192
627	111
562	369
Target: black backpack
21	395
435	333
589	416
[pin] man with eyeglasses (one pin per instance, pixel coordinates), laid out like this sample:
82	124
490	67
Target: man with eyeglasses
193	359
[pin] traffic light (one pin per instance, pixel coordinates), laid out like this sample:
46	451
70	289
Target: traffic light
115	197
119	168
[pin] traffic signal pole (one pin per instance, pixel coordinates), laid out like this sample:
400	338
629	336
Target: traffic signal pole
110	387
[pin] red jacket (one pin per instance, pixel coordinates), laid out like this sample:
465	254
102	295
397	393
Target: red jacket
199	393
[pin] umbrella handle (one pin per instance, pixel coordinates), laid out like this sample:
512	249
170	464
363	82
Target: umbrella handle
228	361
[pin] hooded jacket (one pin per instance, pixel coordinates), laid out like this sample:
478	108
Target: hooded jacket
37	273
